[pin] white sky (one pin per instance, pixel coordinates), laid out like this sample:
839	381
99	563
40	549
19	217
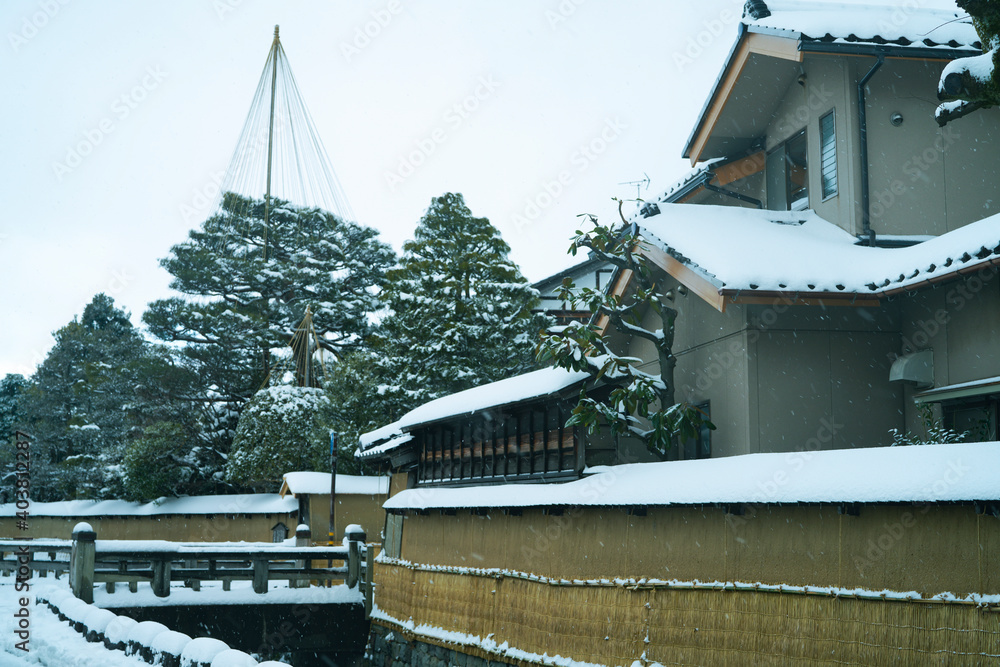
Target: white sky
564	70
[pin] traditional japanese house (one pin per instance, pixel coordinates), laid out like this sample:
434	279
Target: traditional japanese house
832	259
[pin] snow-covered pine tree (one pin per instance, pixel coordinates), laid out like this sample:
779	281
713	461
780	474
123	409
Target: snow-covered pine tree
639	404
73	404
11	387
282	429
248	287
460	308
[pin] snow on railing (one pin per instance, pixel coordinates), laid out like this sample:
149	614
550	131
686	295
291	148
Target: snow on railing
159	562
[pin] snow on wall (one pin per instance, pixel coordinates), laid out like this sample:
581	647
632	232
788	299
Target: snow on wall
929	473
798	251
245	503
319	483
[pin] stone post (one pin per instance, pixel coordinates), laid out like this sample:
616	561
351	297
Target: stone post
81	562
355	536
303	538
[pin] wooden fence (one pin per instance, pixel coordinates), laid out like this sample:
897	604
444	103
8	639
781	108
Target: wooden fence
159	562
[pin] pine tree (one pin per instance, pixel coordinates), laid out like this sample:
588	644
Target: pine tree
73	405
11	388
248	287
282	429
461	312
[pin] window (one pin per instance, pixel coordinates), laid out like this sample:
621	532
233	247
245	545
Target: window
976	415
528	442
279	533
700	447
828	155
787	175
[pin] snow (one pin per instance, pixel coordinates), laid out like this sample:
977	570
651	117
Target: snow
931	473
299	483
868	22
144	633
53	643
170	642
82	527
246	503
387	446
202	649
118	629
98	620
241	593
512	390
797	251
233	658
979	67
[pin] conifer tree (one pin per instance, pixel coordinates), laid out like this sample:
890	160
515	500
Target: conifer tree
247	286
461	312
73	406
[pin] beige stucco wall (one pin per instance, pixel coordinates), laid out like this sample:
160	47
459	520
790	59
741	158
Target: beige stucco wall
960	322
786	378
923	179
821	378
926	179
365	511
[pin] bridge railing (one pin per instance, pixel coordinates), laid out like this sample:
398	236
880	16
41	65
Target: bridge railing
23	557
159	562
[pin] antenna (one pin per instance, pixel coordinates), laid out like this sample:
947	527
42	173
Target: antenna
638	184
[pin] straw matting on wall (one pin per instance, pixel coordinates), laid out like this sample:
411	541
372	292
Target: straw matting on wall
929	549
617	625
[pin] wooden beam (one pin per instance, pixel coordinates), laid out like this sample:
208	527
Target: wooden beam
740	169
623	280
685	275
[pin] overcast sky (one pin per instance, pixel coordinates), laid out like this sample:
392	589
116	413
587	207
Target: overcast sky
119	118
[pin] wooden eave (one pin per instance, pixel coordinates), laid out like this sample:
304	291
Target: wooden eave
749	43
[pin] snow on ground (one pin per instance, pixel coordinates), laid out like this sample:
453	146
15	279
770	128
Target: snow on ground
53	643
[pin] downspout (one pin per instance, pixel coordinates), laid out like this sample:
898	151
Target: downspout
729	193
867	232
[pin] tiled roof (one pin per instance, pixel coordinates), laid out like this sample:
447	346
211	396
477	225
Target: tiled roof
896	24
742	250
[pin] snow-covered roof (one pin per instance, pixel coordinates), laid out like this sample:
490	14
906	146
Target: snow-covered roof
900	25
384	447
298	483
245	503
929	473
504	392
749	250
